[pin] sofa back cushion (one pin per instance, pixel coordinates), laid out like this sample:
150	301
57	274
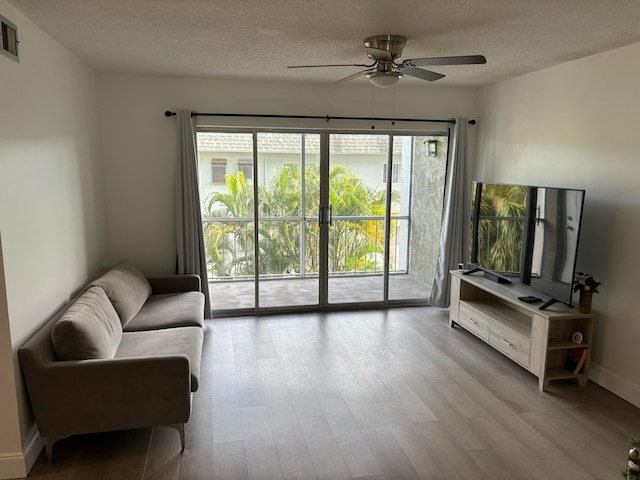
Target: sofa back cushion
126	287
89	328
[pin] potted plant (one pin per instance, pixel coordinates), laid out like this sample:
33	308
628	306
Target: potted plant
587	285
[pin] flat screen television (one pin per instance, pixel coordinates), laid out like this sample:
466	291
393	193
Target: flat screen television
527	234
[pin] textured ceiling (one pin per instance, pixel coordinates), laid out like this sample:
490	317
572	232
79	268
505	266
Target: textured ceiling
259	38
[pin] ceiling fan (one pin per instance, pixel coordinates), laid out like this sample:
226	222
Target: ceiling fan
385	71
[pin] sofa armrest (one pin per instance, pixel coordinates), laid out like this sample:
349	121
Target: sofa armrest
74	397
174	283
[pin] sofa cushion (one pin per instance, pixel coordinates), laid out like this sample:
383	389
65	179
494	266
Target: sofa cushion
89	328
169	310
126	287
172	341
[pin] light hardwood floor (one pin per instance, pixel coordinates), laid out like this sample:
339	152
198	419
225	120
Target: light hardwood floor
380	394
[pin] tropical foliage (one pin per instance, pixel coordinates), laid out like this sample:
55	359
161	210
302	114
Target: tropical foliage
501	227
354	245
233	238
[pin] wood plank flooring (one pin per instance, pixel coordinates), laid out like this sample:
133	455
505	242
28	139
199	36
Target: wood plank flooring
379	394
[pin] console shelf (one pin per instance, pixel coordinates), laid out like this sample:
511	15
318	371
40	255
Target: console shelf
538	340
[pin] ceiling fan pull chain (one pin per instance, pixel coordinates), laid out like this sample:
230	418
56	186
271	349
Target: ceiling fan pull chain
393	106
373	108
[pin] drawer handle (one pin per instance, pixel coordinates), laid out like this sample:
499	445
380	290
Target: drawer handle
505	342
472	321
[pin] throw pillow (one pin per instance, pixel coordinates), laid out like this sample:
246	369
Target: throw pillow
126	287
89	328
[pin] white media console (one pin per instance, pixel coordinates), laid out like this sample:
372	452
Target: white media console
538	340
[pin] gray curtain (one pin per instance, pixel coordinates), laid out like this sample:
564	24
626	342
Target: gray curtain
190	239
451	239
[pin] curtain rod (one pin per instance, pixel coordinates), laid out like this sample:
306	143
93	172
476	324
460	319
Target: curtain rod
317	117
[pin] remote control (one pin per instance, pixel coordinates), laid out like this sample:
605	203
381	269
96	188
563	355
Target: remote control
529	299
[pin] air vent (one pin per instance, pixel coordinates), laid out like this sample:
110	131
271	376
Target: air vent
9	36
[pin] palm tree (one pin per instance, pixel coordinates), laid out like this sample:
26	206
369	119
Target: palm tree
280	239
230	244
354	244
501	231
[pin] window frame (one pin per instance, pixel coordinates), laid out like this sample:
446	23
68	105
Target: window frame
217	164
245	165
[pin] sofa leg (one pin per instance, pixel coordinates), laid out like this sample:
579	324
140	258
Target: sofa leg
48	446
180	428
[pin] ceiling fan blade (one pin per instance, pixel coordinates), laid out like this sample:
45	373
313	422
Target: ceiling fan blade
459	60
422	74
333	65
380	55
354	76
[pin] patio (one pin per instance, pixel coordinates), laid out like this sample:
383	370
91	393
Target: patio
288	292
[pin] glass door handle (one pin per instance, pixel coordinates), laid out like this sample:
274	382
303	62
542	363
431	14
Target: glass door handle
322	215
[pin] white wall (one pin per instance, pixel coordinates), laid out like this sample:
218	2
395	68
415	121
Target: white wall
52	209
139	142
576	125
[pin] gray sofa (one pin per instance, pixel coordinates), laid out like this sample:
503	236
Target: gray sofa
124	353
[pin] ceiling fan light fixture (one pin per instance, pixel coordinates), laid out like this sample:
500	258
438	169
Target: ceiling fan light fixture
384	79
385	69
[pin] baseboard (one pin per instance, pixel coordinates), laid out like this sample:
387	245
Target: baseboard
12	465
615	384
18	465
32	449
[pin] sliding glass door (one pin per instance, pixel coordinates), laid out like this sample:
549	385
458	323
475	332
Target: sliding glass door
357	206
299	220
415	214
228	217
288	189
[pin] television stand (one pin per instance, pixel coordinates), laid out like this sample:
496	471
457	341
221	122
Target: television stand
495	277
491	275
537	340
547	304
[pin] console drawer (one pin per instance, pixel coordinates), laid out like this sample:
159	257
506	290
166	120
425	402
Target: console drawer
474	321
512	344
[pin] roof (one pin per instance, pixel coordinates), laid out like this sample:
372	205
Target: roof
273	142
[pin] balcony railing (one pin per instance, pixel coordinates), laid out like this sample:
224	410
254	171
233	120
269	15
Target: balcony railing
289	246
